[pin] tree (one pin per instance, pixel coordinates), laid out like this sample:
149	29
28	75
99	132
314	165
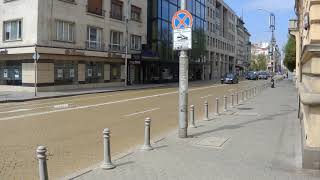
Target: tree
290	54
258	63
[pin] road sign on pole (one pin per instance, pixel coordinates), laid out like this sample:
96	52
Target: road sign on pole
182	34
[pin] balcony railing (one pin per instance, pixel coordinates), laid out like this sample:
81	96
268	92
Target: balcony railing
94	45
96	11
117	17
117	48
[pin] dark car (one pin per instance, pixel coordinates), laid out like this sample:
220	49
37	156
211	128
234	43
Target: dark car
230	79
263	75
252	76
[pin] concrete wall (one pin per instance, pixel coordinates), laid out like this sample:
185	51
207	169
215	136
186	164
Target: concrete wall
27	10
308	82
77	13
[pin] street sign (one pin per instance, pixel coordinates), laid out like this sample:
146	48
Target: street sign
36	56
182	30
182	39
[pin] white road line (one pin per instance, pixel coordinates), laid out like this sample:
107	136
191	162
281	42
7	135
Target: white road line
14	111
209	95
100	104
142	112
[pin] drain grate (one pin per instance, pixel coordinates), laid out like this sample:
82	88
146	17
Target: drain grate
245	108
213	142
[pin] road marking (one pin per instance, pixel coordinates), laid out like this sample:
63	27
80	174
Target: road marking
102	104
142	112
209	95
14	111
61	106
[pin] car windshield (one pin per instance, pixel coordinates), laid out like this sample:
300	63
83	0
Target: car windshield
229	75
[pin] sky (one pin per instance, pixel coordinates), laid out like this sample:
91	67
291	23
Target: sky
257	22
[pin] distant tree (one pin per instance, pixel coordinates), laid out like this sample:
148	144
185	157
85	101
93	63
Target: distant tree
258	62
290	54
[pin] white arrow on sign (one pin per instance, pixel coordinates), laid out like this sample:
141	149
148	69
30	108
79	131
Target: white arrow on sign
36	56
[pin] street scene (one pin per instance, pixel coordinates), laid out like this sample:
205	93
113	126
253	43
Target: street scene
161	89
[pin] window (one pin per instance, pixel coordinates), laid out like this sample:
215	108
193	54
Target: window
135	42
116	10
64	31
116	40
12	30
135	13
94	38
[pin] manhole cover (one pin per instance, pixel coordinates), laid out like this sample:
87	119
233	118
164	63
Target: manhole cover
215	142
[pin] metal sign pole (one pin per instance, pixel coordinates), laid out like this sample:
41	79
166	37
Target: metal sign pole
183	89
35	71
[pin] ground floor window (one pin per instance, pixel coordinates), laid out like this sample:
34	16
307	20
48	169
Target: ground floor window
115	75
11	73
64	73
94	72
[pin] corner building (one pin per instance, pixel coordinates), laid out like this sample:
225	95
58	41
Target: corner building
305	29
81	43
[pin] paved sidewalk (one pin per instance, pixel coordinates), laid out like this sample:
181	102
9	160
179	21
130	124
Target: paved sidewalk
15	96
258	140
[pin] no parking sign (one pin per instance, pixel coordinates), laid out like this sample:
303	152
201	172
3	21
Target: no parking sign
182	30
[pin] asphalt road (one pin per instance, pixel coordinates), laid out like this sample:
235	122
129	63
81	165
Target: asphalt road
71	127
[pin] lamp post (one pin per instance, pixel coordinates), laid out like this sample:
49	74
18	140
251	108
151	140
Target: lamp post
272	27
126	43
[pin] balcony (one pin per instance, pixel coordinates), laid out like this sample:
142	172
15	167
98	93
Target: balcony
116	16
117	48
94	45
96	11
293	25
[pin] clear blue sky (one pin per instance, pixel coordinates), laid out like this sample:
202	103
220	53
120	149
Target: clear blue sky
257	22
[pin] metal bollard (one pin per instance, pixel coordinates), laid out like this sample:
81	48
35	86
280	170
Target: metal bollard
237	98
225	103
232	100
147	146
42	159
107	164
206	111
217	107
242	96
192	121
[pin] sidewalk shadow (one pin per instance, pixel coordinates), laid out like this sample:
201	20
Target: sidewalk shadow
237	126
124	163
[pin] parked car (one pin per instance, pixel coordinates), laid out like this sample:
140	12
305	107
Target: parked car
230	78
252	76
263	75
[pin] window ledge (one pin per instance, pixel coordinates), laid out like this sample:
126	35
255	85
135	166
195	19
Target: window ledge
7	41
117	20
61	41
70	2
95	15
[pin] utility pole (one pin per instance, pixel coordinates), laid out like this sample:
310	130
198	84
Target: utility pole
183	88
272	26
126	42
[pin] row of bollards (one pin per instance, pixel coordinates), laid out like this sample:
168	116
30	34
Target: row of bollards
235	100
107	163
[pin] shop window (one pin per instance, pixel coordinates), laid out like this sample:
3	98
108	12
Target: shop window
12	30
94	72
115	72
64	73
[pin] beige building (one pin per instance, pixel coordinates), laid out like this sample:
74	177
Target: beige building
223	40
81	43
306	29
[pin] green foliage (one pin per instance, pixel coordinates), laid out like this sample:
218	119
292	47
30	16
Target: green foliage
258	63
290	54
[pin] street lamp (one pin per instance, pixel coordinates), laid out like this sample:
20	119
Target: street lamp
272	27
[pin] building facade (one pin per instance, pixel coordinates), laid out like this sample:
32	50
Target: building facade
81	43
306	31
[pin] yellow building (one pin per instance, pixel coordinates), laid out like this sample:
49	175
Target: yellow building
306	29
